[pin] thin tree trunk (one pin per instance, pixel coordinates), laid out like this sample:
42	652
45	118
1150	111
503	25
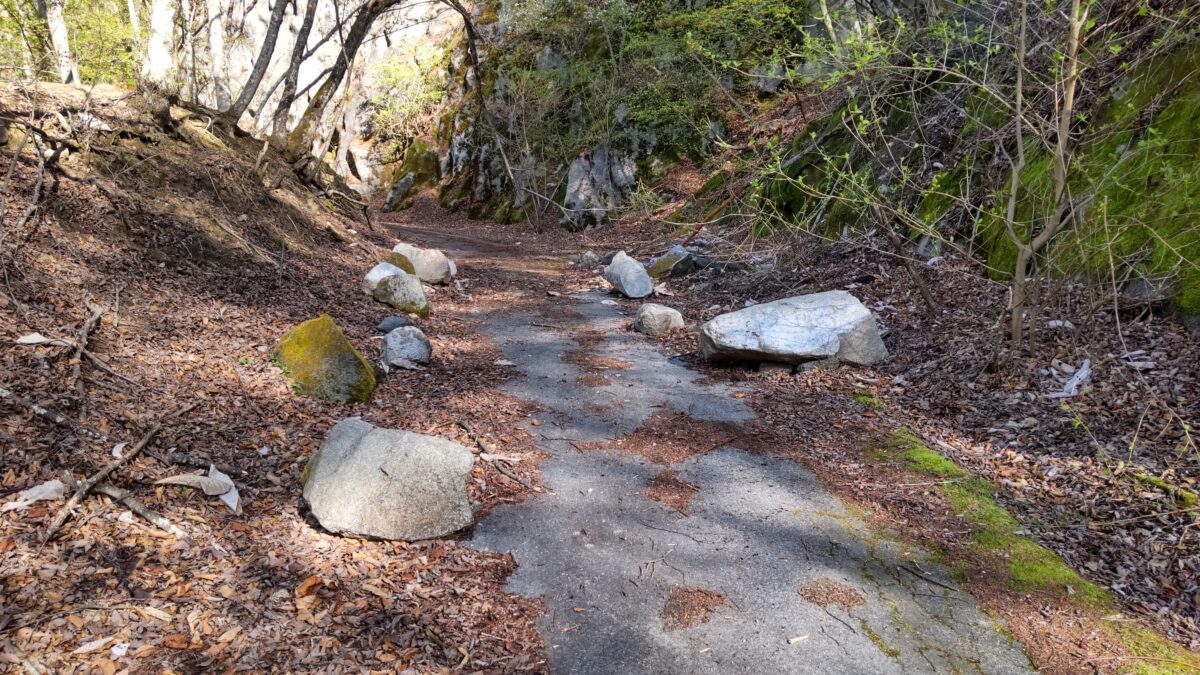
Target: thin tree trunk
135	22
301	138
292	79
51	11
260	65
158	68
216	54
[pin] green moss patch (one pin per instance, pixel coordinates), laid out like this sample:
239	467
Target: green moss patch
1029	565
400	260
322	363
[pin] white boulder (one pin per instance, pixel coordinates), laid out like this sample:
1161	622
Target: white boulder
377	274
430	264
367	481
655	319
793	330
628	276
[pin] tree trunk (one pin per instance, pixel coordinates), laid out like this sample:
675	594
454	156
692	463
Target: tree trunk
216	54
51	11
260	65
135	22
301	138
292	79
1020	294
158	68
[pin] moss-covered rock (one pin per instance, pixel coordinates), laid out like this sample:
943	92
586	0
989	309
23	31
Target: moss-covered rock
321	362
400	260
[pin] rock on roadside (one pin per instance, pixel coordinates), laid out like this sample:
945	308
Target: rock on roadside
380	483
404	292
391	323
405	347
321	362
628	276
428	263
655	319
676	261
377	274
794	330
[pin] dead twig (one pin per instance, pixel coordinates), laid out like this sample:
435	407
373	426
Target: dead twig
87	486
126	498
50	415
81	342
196	462
466	426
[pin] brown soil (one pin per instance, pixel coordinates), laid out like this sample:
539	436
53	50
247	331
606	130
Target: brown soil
826	592
686	607
593	380
669	438
667	489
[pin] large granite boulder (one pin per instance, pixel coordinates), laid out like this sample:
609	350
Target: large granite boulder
628	276
404	292
400	260
655	319
428	263
322	363
377	274
405	347
367	481
793	330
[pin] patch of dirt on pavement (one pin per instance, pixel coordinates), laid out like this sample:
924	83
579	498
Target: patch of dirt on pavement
688	606
593	380
667	489
825	592
669	438
594	363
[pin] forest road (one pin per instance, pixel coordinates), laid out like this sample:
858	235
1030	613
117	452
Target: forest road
807	587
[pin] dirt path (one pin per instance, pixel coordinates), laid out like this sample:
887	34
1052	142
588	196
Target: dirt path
764	571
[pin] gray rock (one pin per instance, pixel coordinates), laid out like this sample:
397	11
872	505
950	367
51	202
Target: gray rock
628	276
399	190
655	319
391	323
675	262
1147	291
793	330
768	77
430	264
366	481
377	274
404	292
405	347
589	259
597	182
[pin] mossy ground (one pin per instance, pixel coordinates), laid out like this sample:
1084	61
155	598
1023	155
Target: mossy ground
1026	565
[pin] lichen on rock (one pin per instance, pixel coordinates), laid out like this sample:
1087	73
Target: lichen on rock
321	362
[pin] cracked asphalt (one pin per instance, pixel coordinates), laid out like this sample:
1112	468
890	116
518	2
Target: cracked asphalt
604	558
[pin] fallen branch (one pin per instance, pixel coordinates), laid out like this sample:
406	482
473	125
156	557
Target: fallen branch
182	459
484	449
47	414
90	484
126	498
81	342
